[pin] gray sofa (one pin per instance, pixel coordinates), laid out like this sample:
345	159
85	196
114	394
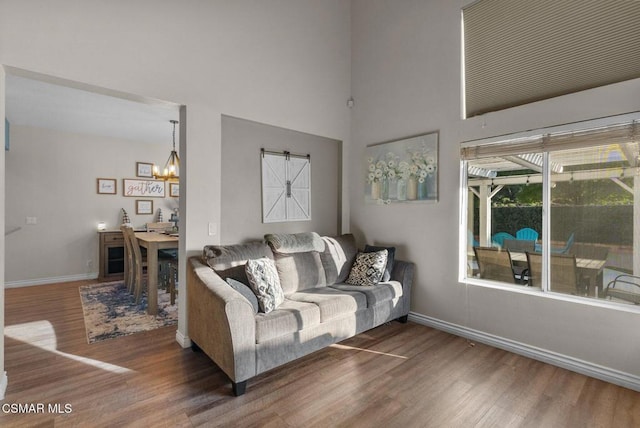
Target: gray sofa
319	309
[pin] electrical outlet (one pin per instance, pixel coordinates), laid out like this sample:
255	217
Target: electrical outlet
213	228
31	220
89	263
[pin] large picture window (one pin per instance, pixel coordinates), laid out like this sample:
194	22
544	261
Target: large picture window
557	210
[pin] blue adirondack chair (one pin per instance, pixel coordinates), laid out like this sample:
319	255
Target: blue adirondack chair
498	238
471	240
527	234
567	246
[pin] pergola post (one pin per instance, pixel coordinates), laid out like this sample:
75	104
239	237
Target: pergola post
636	225
485	215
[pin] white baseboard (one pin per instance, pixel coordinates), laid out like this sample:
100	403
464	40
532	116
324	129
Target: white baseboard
183	340
4	381
576	365
52	280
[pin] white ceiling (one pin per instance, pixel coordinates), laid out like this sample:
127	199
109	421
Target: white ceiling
62	107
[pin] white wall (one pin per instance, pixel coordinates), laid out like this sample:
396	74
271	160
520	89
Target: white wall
51	175
406	81
241	180
282	62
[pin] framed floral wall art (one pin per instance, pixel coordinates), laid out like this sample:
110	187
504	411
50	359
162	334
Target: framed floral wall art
403	171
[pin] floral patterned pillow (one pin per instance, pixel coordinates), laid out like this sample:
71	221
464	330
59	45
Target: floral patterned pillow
368	268
265	283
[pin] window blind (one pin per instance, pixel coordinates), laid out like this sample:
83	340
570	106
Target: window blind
521	51
622	133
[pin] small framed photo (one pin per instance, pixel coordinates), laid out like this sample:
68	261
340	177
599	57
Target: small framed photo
144	169
107	186
174	190
144	206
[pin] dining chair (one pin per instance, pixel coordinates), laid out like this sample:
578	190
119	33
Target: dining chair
135	263
625	287
159	226
519	245
495	264
563	272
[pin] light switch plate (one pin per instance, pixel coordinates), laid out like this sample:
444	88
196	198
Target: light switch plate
213	228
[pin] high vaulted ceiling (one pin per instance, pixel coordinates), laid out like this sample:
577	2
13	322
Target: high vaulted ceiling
42	104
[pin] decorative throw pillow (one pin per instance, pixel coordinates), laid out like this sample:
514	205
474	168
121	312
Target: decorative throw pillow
265	283
368	268
391	255
246	291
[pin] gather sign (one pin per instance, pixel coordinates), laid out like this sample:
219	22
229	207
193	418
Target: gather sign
148	188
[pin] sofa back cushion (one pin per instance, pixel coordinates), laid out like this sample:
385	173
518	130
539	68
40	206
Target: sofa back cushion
338	257
229	260
298	261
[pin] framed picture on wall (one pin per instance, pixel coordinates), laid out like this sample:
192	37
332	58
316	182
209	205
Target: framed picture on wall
107	186
144	169
402	171
174	190
144	206
143	188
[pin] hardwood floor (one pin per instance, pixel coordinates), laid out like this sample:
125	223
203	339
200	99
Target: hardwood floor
393	376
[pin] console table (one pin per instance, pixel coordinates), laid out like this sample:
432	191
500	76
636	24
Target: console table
111	255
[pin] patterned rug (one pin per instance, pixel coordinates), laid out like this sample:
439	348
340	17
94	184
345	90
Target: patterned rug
111	311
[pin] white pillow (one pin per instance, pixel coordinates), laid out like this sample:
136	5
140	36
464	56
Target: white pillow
264	281
368	268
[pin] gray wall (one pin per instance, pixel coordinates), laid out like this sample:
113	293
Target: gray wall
406	81
51	175
241	179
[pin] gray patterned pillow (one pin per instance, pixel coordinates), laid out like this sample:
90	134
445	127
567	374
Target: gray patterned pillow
368	268
265	283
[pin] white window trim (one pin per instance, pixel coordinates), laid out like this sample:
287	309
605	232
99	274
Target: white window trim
464	205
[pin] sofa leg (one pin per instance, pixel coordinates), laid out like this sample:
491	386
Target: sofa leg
403	319
239	388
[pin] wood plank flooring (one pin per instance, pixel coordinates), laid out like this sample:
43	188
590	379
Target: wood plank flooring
393	376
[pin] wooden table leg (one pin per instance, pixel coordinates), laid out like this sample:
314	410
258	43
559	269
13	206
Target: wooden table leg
152	279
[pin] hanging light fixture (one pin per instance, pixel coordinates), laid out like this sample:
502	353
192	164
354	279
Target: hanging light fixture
172	166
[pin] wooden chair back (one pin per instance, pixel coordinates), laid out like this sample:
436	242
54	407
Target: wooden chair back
495	264
133	248
563	272
159	227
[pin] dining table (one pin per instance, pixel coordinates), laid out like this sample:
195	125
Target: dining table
154	241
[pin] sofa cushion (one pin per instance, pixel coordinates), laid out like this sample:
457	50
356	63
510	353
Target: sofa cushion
246	292
332	302
338	257
391	254
300	271
264	281
229	260
376	294
368	268
288	243
289	317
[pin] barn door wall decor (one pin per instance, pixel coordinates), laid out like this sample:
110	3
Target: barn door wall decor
286	187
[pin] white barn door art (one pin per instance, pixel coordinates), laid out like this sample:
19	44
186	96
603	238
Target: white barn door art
286	188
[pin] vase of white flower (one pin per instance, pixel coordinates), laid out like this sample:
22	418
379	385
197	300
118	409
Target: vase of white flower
412	188
401	192
422	188
375	190
384	189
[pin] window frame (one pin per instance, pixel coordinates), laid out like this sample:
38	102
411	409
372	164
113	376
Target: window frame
505	140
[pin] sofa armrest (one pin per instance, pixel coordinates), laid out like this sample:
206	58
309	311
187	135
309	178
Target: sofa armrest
403	273
221	321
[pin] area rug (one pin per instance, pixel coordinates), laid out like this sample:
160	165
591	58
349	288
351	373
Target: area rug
111	311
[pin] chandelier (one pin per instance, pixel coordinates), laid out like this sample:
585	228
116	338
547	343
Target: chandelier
172	166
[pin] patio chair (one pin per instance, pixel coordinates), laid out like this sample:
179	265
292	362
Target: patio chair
471	241
495	264
625	287
526	233
519	245
567	246
563	275
498	238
